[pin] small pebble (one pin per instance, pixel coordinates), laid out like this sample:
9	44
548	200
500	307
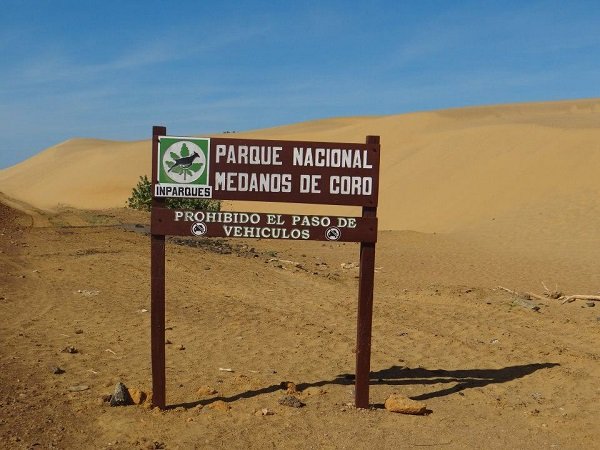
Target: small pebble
264	412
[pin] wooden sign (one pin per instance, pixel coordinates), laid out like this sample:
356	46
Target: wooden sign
270	171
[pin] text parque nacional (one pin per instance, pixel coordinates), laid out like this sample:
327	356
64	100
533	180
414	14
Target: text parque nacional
265	155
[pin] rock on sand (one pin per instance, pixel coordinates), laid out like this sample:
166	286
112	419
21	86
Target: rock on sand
404	405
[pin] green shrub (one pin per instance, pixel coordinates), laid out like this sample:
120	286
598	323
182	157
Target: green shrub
141	198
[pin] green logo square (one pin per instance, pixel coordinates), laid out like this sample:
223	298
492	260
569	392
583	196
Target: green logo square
183	160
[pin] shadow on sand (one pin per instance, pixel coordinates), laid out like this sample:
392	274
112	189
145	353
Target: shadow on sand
399	376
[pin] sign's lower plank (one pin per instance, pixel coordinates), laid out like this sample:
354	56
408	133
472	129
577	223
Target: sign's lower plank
232	224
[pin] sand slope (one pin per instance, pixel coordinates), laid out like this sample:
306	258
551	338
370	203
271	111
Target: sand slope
445	171
82	173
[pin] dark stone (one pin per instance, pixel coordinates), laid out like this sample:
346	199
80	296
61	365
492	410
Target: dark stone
121	396
291	401
57	370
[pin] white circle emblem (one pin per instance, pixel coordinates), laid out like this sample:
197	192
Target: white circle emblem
333	234
199	229
184	162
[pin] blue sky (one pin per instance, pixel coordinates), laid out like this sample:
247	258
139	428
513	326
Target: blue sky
112	69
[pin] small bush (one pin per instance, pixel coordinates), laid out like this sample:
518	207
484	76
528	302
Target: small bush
141	195
141	198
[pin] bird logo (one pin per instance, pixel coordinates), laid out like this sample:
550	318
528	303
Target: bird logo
184	162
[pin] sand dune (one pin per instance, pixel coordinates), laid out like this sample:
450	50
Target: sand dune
80	173
443	171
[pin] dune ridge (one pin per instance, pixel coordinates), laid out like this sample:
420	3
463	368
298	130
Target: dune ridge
486	168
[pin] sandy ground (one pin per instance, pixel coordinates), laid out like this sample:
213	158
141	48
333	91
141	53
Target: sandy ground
495	375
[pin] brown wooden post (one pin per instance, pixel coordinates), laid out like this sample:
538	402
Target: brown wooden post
157	298
365	310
